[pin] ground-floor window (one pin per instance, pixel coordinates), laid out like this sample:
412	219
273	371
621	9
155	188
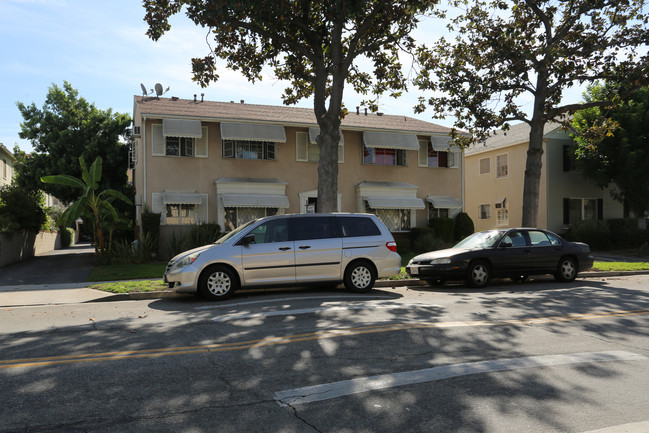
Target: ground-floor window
180	213
396	220
236	216
438	212
581	209
485	211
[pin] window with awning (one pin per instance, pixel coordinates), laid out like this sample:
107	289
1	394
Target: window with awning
395	202
443	206
253	132
181	198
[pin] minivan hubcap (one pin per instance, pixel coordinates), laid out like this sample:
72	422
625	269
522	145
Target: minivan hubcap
219	283
361	277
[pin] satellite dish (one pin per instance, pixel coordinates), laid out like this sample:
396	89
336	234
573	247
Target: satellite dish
158	89
144	92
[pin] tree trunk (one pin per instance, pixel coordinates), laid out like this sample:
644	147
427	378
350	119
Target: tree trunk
328	166
532	182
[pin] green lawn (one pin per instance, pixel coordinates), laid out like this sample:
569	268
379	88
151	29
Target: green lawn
150	274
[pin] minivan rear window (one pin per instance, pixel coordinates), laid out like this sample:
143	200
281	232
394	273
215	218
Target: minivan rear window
357	226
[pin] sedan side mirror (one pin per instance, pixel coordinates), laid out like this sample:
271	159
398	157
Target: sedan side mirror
505	245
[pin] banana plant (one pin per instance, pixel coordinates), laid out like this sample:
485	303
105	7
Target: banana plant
91	202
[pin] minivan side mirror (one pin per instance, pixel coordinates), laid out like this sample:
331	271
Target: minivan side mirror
248	239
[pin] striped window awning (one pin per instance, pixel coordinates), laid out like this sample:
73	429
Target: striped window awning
394	202
181	198
314	132
181	128
253	132
255	200
390	140
442	144
443	202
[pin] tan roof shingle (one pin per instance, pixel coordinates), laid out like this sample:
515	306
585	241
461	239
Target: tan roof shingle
290	116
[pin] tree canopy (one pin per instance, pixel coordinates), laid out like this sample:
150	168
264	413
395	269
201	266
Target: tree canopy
317	46
513	60
619	154
68	127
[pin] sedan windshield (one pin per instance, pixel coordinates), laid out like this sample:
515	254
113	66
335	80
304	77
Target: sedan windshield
480	239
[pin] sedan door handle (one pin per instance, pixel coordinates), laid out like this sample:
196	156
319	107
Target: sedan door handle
305	247
284	248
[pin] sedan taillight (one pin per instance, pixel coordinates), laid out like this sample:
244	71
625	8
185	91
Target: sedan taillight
392	246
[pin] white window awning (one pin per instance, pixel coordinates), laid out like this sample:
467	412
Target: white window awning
443	202
255	200
390	140
394	202
181	128
314	132
181	198
441	144
253	132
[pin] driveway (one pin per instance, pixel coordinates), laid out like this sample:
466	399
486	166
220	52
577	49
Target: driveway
69	265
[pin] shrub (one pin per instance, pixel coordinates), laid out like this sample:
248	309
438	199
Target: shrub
596	234
196	235
151	228
67	237
21	209
463	226
625	233
444	228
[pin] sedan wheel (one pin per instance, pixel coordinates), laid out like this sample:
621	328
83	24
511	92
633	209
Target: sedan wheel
217	283
478	274
360	277
567	270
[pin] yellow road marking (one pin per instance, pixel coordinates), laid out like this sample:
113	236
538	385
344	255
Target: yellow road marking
273	341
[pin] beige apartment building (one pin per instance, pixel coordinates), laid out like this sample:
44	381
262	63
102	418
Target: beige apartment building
494	183
225	162
6	165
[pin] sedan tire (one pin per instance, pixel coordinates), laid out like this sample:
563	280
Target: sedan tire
478	274
360	277
217	283
567	270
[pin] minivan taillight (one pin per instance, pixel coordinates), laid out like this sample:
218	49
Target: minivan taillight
392	246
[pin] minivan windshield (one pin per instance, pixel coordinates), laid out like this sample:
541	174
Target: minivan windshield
480	239
227	236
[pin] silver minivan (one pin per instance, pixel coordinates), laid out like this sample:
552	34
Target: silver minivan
289	250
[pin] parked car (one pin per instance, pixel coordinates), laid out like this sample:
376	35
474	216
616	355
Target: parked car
287	250
515	253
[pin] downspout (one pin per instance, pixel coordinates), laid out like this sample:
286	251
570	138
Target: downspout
144	178
463	181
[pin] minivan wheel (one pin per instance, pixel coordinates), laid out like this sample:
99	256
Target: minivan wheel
360	277
478	274
567	270
217	283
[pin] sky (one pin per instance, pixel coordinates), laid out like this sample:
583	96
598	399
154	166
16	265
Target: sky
102	50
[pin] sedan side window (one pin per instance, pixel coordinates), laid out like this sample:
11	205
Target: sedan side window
516	239
539	239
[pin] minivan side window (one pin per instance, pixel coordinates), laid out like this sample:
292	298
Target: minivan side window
314	228
357	226
271	231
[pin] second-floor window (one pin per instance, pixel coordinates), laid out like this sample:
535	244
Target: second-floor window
485	165
246	149
179	146
502	168
384	156
429	157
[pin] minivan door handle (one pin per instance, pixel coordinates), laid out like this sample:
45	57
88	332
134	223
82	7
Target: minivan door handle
284	248
305	247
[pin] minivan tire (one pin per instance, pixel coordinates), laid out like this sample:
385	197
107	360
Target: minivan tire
217	283
360	276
